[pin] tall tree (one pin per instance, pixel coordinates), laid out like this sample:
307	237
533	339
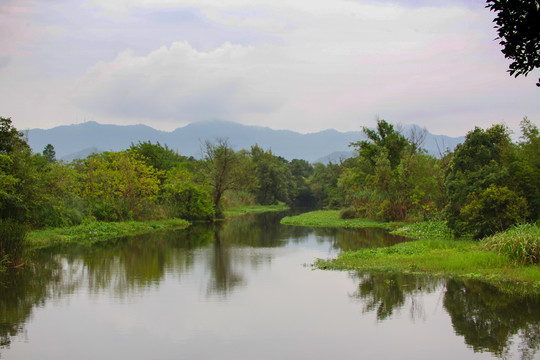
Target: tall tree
49	153
482	160
220	163
518	25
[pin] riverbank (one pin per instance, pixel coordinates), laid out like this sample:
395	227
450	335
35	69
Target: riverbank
255	209
436	252
92	232
331	218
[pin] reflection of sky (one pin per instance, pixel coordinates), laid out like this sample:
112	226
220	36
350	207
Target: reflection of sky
284	310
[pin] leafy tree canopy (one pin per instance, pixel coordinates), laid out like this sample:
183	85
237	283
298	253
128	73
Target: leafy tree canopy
518	26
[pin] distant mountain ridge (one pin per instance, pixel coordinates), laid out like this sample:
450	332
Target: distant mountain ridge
80	140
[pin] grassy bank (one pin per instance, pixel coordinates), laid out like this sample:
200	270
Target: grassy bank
435	252
331	218
254	209
99	231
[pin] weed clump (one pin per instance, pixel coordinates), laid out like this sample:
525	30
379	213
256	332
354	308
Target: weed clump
520	243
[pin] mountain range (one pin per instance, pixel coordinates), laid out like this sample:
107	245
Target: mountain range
80	140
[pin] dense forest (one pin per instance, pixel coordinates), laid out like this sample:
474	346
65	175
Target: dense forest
485	185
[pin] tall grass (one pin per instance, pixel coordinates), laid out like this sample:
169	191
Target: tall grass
520	243
12	239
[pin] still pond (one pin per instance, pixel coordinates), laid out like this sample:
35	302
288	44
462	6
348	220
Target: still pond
244	289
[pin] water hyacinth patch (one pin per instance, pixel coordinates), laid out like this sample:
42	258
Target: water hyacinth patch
425	230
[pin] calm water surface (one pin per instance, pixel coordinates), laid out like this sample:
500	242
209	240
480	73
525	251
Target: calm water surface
242	290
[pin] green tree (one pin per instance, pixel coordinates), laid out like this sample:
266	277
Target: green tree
273	177
492	210
385	137
299	193
49	153
221	165
186	198
526	170
482	160
118	185
161	157
518	26
18	177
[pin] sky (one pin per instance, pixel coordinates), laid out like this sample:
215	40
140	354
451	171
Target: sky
302	65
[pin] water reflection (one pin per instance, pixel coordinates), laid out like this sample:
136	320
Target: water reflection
487	318
222	259
386	293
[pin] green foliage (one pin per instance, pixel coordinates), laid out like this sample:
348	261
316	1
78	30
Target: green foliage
118	185
158	156
494	209
185	198
273	177
49	153
466	259
10	137
482	160
331	218
426	230
392	178
348	213
520	243
526	168
385	137
94	231
324	186
518	26
222	167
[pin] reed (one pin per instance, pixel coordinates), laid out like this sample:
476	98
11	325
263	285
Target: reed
520	243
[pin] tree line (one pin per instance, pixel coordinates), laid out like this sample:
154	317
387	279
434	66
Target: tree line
485	185
145	181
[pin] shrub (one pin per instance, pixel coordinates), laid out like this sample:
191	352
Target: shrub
348	213
520	243
494	209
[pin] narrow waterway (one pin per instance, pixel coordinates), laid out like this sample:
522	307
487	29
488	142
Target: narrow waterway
244	290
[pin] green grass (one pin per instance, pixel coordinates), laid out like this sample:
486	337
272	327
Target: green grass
520	243
462	258
425	230
99	231
330	218
253	209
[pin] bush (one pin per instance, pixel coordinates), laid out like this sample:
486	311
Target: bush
520	243
494	209
348	213
12	237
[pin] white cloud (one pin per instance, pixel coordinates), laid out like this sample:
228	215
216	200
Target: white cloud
312	65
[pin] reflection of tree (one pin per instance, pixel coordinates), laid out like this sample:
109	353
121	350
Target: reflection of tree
385	293
20	291
354	239
224	278
488	318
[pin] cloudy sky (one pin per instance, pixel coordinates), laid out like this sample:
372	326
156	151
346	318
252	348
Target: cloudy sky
304	65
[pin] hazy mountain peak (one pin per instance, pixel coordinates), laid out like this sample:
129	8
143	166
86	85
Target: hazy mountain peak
69	140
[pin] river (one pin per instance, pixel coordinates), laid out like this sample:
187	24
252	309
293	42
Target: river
244	289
